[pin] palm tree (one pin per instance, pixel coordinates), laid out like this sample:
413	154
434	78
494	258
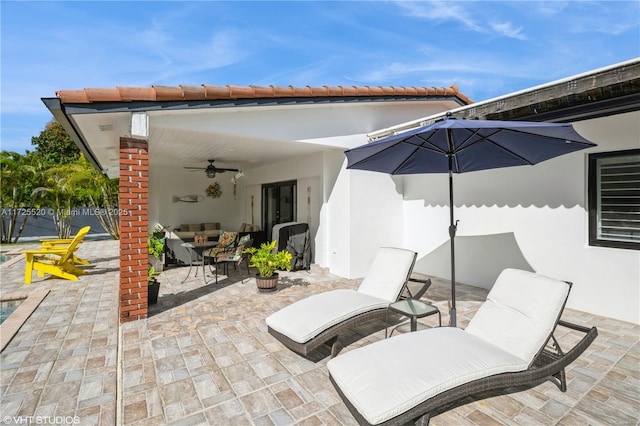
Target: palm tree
60	195
17	174
100	193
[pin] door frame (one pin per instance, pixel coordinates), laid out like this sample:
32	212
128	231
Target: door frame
293	204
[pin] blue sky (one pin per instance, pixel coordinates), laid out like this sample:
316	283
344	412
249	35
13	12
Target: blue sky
487	48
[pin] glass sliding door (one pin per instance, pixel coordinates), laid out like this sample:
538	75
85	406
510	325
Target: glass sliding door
279	202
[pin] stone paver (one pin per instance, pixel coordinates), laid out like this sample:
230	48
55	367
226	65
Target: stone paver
63	360
204	357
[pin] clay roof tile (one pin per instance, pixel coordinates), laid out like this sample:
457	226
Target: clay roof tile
334	91
349	90
103	95
216	92
282	91
240	92
319	91
168	93
211	92
301	91
263	92
72	96
137	93
193	93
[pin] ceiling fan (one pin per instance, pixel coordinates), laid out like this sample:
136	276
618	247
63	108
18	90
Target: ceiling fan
211	170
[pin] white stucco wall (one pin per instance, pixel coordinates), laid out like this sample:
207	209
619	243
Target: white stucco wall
168	182
531	218
525	217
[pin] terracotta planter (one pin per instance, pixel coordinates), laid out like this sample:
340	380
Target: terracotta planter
267	284
154	289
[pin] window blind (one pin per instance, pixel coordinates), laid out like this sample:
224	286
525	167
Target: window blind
618	198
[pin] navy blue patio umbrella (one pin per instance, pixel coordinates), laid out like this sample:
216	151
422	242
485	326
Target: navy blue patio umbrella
457	145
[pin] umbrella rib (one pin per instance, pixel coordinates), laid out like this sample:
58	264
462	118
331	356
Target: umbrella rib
487	140
383	150
431	147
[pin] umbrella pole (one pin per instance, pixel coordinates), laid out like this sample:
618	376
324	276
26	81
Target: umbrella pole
453	225
452	236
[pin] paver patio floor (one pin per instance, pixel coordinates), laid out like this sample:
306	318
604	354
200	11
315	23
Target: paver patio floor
204	357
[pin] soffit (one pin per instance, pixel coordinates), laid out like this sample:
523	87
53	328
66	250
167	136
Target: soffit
244	137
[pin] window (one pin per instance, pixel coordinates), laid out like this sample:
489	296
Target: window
614	199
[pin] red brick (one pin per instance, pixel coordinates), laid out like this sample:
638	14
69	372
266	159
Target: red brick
132	287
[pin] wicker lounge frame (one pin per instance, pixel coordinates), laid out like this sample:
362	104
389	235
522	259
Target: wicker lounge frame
548	364
330	336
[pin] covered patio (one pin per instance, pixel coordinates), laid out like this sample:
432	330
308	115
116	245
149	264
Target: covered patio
203	356
542	218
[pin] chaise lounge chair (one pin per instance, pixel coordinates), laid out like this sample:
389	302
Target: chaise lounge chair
309	323
508	343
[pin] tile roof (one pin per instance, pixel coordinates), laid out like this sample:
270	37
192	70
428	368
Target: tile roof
209	92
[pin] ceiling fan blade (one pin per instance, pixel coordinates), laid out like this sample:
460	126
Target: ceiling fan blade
226	170
196	168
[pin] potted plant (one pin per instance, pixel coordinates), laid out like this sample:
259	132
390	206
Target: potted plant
267	260
154	285
155	244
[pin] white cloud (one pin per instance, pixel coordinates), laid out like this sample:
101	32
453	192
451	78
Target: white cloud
467	14
440	11
507	29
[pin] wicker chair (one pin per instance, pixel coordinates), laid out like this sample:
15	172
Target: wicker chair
234	255
319	319
508	344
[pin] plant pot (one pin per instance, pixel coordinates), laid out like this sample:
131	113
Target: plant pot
267	284
154	289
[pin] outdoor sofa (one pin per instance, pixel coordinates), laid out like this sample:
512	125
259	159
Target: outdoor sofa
508	344
311	322
188	231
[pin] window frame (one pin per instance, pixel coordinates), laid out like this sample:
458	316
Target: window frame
593	201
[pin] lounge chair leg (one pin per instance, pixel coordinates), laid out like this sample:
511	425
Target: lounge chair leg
335	346
562	380
424	420
560	375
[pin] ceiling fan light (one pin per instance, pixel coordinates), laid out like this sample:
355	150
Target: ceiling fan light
211	174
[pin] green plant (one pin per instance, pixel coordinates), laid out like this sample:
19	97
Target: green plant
151	275
155	242
267	261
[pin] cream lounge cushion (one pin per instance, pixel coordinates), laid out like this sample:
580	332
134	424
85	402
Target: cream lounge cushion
303	320
391	376
306	318
520	312
509	329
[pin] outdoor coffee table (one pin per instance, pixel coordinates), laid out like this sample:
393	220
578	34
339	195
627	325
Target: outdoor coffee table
411	308
196	256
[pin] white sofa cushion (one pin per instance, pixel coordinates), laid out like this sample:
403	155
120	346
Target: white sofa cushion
388	273
520	312
391	376
306	318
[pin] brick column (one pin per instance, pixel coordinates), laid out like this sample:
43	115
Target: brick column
134	224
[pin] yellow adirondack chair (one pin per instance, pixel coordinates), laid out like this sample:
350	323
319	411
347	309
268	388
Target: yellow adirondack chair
55	261
63	243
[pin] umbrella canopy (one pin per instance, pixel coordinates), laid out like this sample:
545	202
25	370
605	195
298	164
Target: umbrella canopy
457	145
